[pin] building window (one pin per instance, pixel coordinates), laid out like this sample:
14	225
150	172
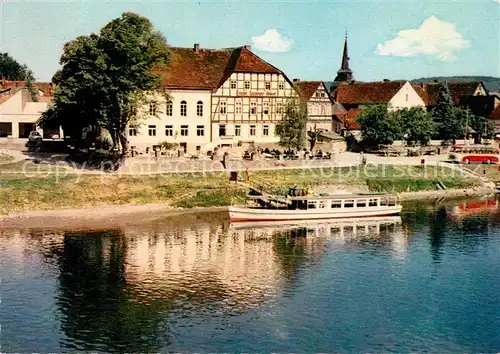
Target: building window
184	130
169	130
265	130
237	130
222	130
132	132
281	86
198	148
152	130
233	84
266	108
199	109
406	97
223	107
322	94
169	109
183	108
238	107
153	107
200	130
247	85
252	130
279	108
323	109
253	108
268	85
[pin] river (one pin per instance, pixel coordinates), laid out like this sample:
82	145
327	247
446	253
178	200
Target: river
428	281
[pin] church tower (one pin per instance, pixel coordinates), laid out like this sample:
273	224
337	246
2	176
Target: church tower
344	74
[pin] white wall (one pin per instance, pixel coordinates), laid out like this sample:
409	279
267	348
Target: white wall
20	109
192	120
406	97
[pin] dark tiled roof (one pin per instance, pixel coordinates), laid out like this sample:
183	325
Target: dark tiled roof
457	90
306	89
367	93
47	88
207	69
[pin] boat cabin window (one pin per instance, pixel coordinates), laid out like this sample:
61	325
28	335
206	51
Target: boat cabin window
322	204
361	203
383	202
336	204
373	202
311	204
349	203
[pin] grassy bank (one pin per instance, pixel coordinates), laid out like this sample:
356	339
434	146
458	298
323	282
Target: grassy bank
21	192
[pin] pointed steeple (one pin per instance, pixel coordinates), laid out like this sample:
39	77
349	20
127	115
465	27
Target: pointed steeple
344	74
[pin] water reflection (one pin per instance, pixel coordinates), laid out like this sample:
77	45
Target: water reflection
134	288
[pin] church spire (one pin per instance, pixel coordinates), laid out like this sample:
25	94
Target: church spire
344	74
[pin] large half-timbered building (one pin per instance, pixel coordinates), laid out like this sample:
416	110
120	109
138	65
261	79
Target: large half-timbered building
215	97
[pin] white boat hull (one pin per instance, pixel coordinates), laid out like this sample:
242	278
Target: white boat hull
237	214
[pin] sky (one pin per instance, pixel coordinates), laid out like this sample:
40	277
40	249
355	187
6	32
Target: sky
391	39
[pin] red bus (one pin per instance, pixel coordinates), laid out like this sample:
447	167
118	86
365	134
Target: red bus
474	154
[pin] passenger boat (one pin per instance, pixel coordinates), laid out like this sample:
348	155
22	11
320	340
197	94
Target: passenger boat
313	207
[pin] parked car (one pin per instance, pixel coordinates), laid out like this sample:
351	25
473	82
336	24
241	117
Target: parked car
34	136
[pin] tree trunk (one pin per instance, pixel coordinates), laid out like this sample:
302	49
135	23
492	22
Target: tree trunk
123	142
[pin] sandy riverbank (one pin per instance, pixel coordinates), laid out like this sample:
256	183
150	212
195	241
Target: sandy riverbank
121	215
95	218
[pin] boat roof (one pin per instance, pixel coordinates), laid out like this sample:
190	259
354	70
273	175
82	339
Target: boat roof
329	197
344	196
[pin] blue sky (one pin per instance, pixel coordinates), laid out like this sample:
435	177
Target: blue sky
398	39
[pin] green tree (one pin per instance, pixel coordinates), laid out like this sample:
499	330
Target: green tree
378	126
417	126
485	128
449	119
12	70
292	128
105	77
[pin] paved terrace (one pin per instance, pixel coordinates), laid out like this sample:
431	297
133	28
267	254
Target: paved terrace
151	165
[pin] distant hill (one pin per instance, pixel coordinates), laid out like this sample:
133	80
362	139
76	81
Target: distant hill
491	83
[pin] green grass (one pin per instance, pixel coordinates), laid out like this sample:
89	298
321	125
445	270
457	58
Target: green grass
51	191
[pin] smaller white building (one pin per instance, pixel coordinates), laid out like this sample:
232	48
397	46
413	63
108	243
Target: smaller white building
319	104
19	113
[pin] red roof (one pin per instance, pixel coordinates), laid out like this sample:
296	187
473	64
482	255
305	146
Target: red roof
207	69
367	93
350	118
495	114
47	88
457	90
306	89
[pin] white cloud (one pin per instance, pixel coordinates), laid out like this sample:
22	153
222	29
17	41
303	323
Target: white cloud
497	1
434	37
272	41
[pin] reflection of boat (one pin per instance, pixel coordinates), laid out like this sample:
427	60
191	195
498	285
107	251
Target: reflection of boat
287	224
290	207
472	207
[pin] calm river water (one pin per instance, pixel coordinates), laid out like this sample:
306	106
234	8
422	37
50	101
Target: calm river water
428	281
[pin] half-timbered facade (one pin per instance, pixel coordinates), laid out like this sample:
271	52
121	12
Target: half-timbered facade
319	104
250	100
